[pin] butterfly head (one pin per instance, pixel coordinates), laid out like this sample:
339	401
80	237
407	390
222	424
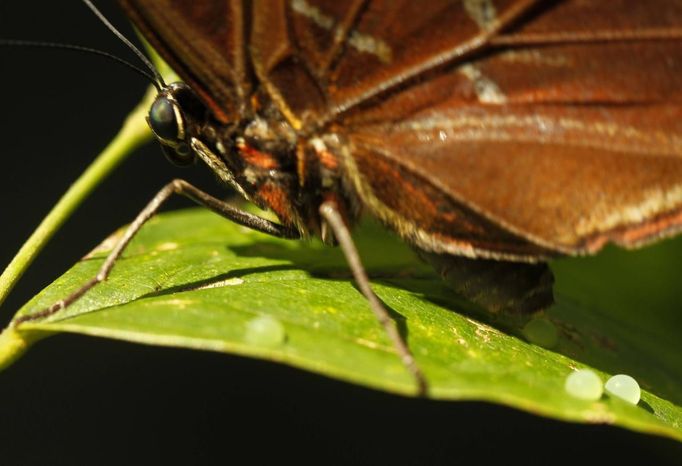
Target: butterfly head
175	109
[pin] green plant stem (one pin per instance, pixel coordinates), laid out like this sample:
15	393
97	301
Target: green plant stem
13	344
133	134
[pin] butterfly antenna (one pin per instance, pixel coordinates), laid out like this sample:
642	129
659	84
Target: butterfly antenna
79	48
159	82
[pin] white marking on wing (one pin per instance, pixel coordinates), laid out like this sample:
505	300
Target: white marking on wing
487	90
482	12
360	42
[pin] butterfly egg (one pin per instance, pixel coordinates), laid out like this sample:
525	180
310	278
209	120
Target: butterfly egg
624	387
541	332
584	384
265	331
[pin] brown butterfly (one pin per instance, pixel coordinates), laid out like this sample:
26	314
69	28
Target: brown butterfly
492	135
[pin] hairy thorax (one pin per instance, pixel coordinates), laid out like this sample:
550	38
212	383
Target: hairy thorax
277	168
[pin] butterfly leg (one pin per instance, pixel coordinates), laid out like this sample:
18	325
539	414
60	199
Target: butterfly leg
331	214
182	188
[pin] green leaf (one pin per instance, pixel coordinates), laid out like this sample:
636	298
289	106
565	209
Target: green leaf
191	279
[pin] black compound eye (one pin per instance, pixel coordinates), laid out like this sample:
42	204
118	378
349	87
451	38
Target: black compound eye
162	119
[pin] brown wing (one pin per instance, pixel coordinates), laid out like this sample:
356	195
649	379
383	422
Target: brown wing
500	287
566	133
314	57
566	179
326	56
205	43
533	127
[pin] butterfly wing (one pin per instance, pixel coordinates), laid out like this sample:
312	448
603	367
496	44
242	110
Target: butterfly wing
563	179
566	133
510	129
539	127
205	43
507	130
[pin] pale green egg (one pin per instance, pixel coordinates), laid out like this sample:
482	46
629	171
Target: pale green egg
265	331
584	384
624	387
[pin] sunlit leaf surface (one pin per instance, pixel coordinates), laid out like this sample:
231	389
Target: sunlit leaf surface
191	279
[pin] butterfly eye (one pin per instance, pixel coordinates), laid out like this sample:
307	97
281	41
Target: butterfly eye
163	119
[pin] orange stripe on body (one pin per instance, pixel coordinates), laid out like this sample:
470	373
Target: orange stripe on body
257	158
276	199
328	160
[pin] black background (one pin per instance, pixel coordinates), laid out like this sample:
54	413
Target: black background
77	400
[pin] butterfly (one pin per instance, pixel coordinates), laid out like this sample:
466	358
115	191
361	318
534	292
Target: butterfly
491	135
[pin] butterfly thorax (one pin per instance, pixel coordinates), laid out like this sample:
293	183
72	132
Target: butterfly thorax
263	158
290	174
